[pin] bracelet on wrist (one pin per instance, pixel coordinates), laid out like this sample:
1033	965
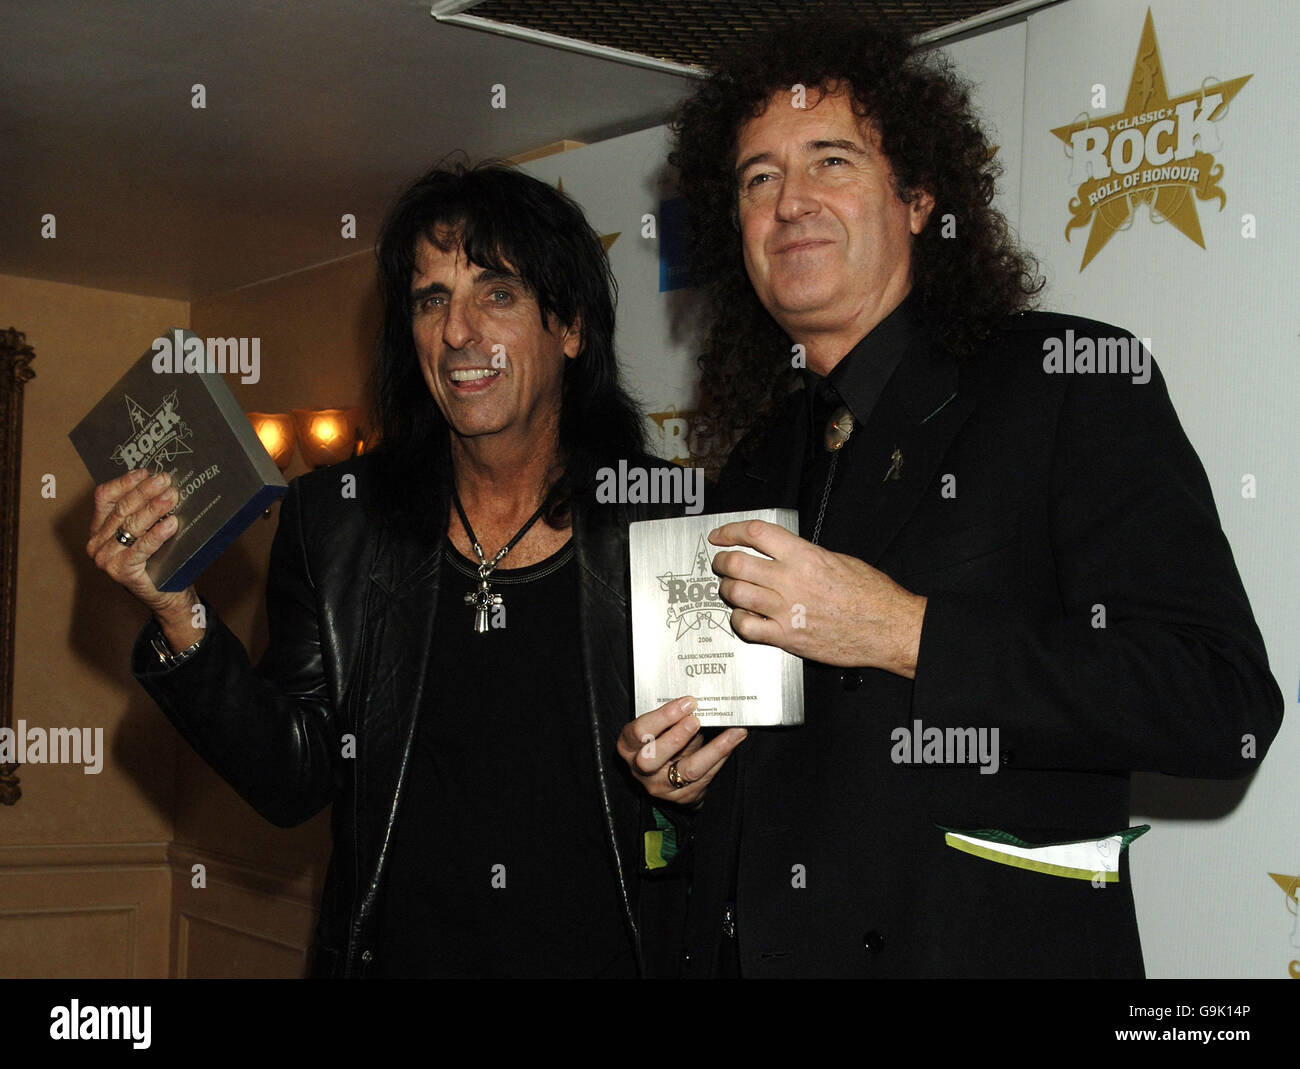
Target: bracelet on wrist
164	650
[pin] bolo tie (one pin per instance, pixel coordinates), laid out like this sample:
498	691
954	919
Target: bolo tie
838	431
839	428
483	598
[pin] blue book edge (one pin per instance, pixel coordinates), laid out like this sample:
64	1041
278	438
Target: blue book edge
216	545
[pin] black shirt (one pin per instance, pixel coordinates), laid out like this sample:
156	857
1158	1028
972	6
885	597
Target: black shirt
500	865
856	383
839	495
860	377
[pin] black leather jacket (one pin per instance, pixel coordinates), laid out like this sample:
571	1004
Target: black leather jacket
350	604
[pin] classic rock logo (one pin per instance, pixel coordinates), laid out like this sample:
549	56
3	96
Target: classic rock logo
693	601
157	439
1291	888
1155	152
677	435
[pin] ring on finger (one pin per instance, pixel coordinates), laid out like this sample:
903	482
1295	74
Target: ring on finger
125	537
676	778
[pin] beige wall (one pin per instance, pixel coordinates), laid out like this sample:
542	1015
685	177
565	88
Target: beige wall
96	871
84	881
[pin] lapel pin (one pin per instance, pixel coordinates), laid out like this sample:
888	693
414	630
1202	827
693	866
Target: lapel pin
895	466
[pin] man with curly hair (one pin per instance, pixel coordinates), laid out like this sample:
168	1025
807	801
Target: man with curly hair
1011	589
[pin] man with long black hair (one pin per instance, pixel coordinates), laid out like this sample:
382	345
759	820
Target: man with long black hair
448	658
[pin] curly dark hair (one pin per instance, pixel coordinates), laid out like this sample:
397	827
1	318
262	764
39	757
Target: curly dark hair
966	282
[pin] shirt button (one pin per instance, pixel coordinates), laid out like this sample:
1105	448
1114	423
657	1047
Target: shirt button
850	679
874	942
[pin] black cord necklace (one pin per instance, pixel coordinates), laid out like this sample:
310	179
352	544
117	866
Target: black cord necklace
483	599
837	434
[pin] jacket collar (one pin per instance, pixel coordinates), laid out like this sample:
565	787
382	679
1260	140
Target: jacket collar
389	692
600	547
861	376
919	413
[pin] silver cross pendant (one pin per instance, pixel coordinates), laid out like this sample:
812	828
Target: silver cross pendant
482	599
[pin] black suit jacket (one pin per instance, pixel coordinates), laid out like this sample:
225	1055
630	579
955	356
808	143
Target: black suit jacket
1072	491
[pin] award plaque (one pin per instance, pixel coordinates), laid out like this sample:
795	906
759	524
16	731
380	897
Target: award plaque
188	424
682	642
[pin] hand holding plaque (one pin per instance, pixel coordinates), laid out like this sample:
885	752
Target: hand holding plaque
683	642
815	603
666	751
182	420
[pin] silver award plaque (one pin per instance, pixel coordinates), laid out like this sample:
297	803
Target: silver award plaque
681	629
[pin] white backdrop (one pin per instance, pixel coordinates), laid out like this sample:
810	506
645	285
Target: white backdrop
1225	331
1216	878
618	183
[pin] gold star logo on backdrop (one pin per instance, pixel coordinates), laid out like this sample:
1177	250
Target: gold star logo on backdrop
1290	885
1160	166
1291	888
605	239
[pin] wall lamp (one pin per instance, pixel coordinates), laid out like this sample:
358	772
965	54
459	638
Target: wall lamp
324	436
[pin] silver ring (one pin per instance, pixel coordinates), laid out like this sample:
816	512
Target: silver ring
126	538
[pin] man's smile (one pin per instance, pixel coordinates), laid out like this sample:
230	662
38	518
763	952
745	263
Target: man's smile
473	379
801	245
